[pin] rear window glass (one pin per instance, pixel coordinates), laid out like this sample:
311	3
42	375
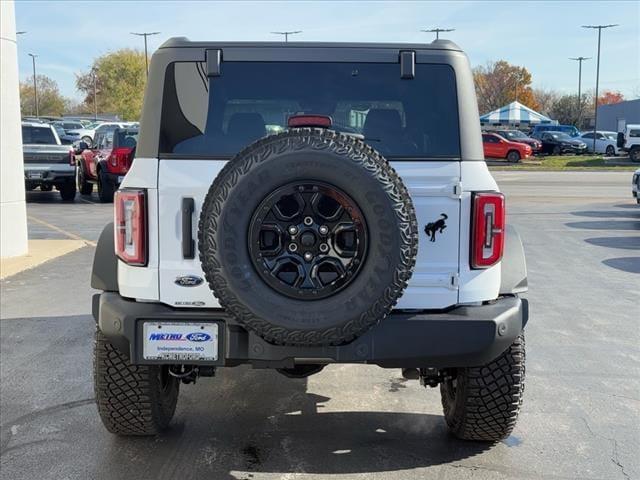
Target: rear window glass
125	138
219	116
38	136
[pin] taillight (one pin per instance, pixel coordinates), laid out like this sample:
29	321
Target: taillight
131	226
487	233
119	160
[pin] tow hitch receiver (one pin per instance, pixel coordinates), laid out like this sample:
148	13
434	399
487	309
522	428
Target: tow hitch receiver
429	377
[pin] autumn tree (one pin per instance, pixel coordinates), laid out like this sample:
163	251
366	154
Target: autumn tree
545	99
608	97
564	110
120	79
499	83
50	100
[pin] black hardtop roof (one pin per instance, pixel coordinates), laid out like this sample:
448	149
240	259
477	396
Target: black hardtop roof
183	42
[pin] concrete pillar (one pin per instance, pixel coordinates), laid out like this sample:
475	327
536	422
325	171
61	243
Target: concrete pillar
13	212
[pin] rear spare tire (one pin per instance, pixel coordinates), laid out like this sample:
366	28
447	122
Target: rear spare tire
308	237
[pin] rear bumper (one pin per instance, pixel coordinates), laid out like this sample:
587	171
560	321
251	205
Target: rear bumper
38	174
463	336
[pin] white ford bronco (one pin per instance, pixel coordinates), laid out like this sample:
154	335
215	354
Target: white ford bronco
297	205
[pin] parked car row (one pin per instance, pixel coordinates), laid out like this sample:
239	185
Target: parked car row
561	139
48	163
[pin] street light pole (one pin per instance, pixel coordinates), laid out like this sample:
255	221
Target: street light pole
286	34
146	57
95	95
438	30
595	116
35	84
579	60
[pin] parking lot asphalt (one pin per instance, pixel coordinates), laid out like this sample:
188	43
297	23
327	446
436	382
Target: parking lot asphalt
580	418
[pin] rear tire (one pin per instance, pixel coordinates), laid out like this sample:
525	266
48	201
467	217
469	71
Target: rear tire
482	403
105	188
85	187
610	151
131	399
513	156
68	191
634	154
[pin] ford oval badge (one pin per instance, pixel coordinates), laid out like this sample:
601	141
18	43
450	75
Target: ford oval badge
189	281
198	337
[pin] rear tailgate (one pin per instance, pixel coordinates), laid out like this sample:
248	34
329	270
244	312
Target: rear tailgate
433	186
46	154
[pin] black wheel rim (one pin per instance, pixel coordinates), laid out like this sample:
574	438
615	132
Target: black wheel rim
308	240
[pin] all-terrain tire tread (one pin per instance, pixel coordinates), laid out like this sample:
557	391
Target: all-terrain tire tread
129	397
488	398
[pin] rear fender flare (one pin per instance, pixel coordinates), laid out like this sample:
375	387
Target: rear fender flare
104	275
513	265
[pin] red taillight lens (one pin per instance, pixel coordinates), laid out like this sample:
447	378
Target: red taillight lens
131	226
119	160
487	233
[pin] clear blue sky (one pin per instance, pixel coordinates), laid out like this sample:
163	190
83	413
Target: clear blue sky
540	35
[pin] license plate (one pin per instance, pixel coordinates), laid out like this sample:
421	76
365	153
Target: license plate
34	175
180	341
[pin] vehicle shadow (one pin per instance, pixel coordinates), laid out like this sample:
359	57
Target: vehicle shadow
282	428
608	214
626	264
605	225
626	243
36	196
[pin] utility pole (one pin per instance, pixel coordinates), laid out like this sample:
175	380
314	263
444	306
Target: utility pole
95	95
35	85
286	34
595	116
146	57
579	60
438	30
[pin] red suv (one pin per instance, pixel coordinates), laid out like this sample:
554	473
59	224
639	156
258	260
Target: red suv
106	162
496	146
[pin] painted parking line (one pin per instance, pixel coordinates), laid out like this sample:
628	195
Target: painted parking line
60	230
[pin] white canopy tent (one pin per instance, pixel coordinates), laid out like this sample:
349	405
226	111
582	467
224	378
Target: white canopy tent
514	114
